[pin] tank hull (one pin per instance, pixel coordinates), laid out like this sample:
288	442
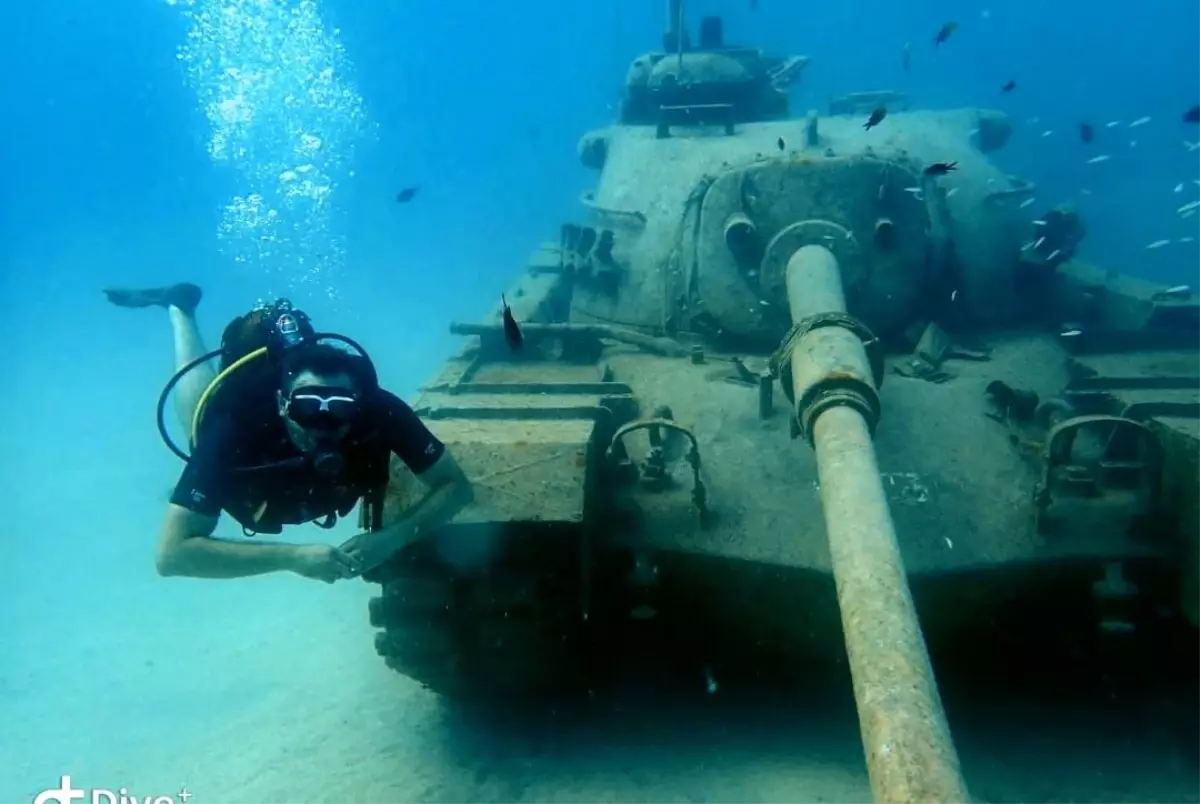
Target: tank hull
536	589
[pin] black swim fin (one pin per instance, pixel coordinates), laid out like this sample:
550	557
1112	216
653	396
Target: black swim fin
184	295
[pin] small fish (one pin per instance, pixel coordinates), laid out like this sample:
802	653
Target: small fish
950	193
1191	146
1159	244
781	143
1009	86
1112	124
1192	115
1047	132
406	195
1025	203
906	57
940	168
1071	333
1179	187
1038	243
1187	240
1053	254
1038	222
1141	121
945	33
876	118
512	332
1086	132
1187	207
1095	160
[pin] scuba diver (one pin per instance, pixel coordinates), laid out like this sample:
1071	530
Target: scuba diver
293	429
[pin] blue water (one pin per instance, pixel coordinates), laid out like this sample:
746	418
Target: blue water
128	159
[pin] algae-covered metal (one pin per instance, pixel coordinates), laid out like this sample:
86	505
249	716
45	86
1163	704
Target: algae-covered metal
1030	420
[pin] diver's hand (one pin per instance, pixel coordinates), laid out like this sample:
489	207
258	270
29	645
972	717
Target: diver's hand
370	549
322	562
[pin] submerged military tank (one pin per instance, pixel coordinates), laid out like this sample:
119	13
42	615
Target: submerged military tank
790	385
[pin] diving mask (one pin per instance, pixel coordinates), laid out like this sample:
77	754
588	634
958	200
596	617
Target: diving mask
325	414
322	409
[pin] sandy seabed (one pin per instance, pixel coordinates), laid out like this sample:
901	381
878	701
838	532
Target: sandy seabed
264	702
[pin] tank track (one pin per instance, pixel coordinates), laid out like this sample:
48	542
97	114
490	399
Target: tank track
500	635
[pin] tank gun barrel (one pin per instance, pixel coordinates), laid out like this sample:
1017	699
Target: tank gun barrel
910	754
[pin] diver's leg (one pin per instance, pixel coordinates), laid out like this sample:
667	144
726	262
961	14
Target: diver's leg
189	345
180	302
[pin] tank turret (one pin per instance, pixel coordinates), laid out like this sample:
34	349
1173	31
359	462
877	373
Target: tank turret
712	83
750	197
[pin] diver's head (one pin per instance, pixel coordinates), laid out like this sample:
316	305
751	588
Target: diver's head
322	393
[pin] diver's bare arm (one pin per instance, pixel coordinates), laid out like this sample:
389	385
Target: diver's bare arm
449	491
186	548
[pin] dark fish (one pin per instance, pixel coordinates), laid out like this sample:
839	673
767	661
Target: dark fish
406	195
1009	87
1192	115
907	57
944	33
512	333
781	143
940	168
1086	132
876	118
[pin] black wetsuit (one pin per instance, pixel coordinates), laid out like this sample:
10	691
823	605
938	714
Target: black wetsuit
263	501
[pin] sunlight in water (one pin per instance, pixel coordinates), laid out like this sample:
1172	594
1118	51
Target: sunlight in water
284	113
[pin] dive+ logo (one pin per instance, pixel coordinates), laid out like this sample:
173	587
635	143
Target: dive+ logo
66	794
